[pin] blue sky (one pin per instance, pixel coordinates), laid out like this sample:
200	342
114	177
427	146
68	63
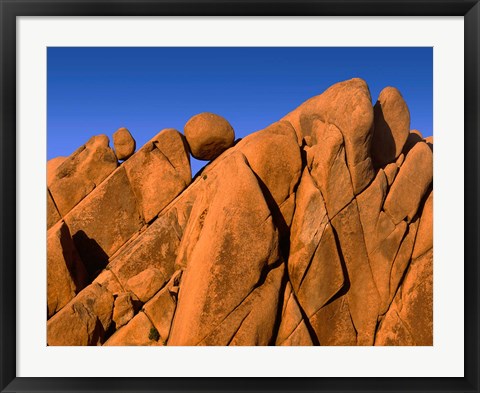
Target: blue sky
93	91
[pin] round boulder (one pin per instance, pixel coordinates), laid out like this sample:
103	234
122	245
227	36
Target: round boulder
208	135
123	143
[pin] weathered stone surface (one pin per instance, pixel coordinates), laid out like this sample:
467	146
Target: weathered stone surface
409	321
157	246
400	264
52	166
123	143
314	265
382	237
158	172
274	157
123	309
237	242
161	308
104	221
108	280
363	297
84	320
412	182
81	172
288	237
329	169
252	322
392	126
66	275
400	160
53	216
347	105
391	171
333	324
137	332
292	330
147	283
424	239
175	148
208	135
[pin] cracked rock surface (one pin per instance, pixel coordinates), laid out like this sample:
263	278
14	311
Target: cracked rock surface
317	230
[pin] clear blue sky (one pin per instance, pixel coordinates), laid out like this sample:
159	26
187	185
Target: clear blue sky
98	90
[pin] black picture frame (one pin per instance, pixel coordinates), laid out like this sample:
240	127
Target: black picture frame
10	9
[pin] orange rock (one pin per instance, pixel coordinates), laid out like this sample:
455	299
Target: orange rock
287	208
53	216
424	239
146	284
347	105
139	331
84	320
411	184
293	330
392	126
104	221
275	158
158	246
123	310
329	169
289	237
400	160
161	308
400	264
237	242
158	172
333	324
123	143
66	275
258	326
314	266
252	322
175	148
391	171
363	298
375	226
81	172
409	321
52	166
429	141
382	237
413	138
208	135
108	280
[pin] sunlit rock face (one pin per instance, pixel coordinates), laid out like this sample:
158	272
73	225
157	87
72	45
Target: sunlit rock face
317	230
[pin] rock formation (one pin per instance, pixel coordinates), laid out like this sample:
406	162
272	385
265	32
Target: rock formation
208	135
317	230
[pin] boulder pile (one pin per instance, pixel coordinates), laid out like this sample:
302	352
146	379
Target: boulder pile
317	230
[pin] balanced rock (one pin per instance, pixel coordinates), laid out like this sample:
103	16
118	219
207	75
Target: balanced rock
123	143
208	135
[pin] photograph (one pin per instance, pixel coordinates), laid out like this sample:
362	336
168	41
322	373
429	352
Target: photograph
239	196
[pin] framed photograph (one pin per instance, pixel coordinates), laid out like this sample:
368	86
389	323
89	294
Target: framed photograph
196	196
